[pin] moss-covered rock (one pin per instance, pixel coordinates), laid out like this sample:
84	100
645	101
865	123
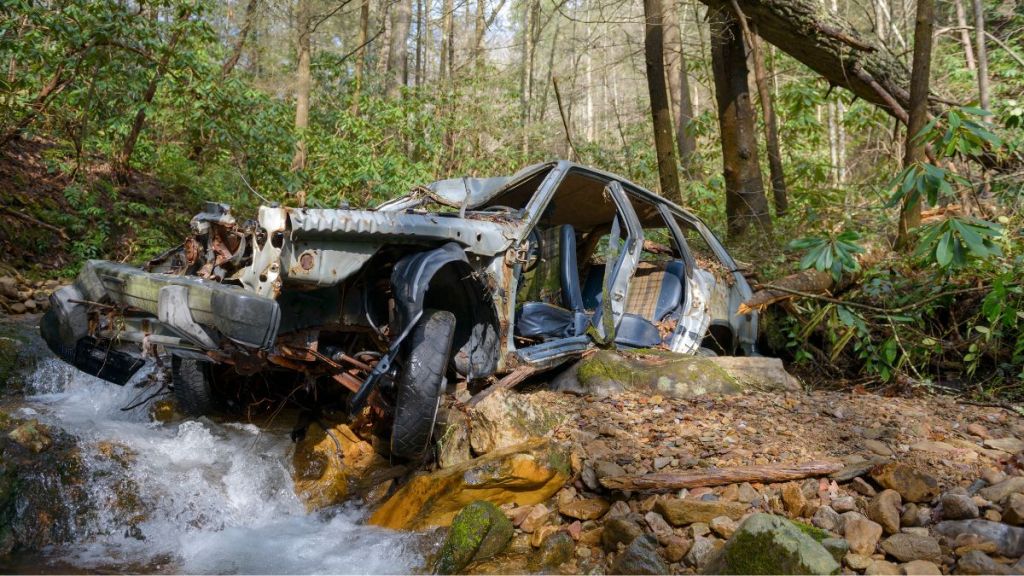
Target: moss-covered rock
10	350
679	376
640	557
479	531
554	551
767	544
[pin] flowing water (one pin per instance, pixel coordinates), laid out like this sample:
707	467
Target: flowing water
215	497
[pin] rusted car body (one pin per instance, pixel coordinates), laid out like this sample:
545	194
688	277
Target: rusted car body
535	269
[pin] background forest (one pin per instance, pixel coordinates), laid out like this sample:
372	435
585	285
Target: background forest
117	119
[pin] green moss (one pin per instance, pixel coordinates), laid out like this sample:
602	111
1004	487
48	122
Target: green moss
479	531
766	544
814	532
609	366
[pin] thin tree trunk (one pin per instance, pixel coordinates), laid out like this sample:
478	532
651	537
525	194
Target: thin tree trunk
979	38
40	103
360	55
661	116
243	35
526	76
122	160
679	87
419	43
303	84
398	50
447	40
910	213
771	128
745	202
965	35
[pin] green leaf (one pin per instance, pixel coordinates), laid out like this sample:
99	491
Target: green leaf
944	250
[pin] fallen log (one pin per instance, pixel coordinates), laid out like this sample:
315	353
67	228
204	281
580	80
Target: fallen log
668	481
511	380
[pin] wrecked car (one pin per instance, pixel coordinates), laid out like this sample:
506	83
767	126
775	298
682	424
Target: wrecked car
382	310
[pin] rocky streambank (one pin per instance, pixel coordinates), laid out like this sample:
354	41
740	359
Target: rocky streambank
529	482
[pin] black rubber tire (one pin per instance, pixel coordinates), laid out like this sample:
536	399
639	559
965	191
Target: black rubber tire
193	386
418	394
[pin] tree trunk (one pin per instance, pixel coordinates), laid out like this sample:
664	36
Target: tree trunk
661	116
398	50
910	212
303	83
526	75
418	78
679	87
965	34
831	47
122	160
979	38
364	34
745	202
771	128
243	35
447	40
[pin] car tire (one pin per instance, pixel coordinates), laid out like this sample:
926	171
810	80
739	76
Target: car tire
193	386
420	384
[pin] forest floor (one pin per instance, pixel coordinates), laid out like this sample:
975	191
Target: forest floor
54	215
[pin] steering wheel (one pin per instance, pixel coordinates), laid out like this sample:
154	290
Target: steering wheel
533	250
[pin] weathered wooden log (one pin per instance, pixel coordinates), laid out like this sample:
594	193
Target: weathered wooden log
668	481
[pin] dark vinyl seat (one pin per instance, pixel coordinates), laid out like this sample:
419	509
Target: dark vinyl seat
552	303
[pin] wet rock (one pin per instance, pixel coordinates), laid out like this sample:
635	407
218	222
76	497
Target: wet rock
958	507
827	519
640	557
1005	540
768	544
684	376
588	509
32	436
507	418
680	512
9	352
885	509
907	547
526	474
479	531
1013	510
164	411
1001	490
554	551
701	552
837	547
920	568
620	531
912	484
861	533
977	562
882	568
323	476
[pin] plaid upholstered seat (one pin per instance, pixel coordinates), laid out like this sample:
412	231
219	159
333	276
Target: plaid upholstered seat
653	292
543	283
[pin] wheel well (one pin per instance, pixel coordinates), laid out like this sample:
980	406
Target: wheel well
456	288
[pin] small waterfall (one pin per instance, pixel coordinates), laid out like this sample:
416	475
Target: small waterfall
197	496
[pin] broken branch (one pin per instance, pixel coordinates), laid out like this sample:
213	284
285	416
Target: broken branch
60	231
718	477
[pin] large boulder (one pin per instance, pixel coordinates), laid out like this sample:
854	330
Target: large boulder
529	473
478	532
768	544
679	376
506	418
1006	540
330	466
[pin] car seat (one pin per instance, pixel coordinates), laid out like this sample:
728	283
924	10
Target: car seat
552	304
